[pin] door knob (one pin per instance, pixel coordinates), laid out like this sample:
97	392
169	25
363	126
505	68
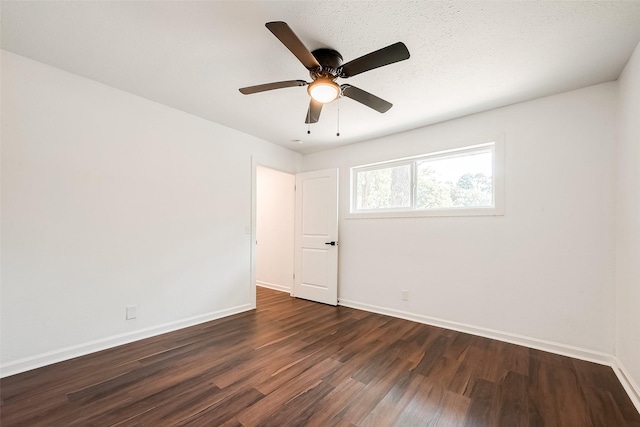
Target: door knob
331	243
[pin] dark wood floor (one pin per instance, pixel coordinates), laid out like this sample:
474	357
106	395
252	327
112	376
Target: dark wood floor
293	362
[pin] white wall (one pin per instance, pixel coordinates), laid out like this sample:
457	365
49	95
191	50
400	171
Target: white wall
628	224
111	200
274	229
542	272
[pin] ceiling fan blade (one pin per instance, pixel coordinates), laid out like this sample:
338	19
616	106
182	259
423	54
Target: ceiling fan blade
271	86
366	98
288	38
385	56
313	113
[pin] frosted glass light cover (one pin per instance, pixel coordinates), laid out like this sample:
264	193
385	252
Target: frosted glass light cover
324	90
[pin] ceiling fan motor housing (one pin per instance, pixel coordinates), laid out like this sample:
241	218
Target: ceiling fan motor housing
330	61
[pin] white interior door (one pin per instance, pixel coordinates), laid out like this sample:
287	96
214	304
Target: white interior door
316	236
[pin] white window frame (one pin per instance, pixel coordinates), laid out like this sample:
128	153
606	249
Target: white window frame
497	146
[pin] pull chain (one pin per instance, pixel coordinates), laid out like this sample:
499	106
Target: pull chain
338	132
309	120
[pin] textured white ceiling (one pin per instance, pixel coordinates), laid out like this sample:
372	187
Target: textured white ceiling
465	56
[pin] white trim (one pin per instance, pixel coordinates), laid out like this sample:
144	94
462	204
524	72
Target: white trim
552	347
253	247
55	356
630	386
489	211
273	286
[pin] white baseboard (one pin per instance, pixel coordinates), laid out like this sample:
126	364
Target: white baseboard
630	386
552	347
273	286
33	362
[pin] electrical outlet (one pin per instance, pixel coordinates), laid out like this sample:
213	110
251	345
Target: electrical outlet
405	295
132	312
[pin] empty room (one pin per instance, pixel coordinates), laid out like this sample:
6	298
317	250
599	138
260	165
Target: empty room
320	213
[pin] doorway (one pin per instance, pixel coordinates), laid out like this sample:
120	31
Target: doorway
274	226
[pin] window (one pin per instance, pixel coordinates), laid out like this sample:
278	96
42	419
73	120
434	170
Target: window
384	188
464	181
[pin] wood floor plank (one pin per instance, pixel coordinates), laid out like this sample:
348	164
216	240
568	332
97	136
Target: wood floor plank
387	411
364	402
224	410
297	363
434	406
301	409
293	386
513	401
334	403
452	411
483	409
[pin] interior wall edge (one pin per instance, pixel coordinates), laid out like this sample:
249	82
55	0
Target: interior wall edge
530	342
60	355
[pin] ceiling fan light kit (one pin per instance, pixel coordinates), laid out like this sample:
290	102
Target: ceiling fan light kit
323	90
325	66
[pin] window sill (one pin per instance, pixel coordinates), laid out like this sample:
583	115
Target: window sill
427	213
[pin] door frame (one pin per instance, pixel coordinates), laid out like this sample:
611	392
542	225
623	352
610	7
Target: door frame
255	162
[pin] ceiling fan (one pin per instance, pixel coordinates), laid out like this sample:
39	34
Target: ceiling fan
325	66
